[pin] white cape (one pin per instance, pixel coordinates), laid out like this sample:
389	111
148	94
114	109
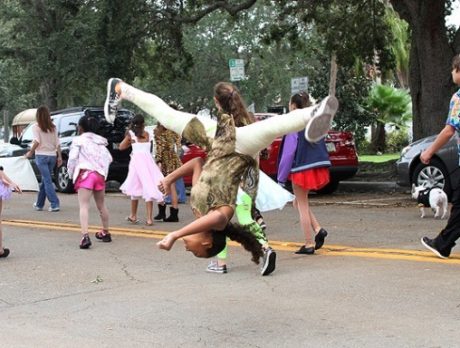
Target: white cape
270	195
20	171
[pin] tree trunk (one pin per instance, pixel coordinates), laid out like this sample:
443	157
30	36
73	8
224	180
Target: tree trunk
430	80
378	138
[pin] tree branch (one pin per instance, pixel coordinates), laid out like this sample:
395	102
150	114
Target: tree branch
232	10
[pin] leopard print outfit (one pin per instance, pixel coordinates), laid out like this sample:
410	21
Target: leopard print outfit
166	144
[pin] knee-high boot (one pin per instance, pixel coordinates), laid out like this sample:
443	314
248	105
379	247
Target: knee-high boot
161	212
173	215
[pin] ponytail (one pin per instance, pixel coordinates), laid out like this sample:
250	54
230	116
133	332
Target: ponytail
137	125
232	103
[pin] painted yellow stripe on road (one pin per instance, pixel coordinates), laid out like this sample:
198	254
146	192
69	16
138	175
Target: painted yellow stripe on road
327	250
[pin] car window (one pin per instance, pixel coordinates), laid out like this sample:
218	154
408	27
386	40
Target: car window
27	135
68	125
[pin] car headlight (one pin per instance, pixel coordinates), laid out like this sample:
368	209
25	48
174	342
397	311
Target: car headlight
405	150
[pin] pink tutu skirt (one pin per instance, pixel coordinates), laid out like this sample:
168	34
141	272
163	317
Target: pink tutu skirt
143	178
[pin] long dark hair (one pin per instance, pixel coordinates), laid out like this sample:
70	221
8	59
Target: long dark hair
137	125
232	103
301	100
238	233
44	119
88	123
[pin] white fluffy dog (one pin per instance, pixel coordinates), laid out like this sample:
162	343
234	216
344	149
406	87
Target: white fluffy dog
433	198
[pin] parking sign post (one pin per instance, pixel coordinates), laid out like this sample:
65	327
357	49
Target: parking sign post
299	84
236	69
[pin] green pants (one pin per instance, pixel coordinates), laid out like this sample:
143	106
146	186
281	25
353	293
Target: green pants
243	214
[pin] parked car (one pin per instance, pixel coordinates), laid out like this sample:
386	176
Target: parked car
66	122
440	172
340	145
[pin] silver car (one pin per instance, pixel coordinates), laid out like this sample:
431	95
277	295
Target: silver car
442	171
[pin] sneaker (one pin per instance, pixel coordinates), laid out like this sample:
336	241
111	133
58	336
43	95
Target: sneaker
321	119
85	242
37	208
6	252
103	236
112	101
269	261
430	245
319	238
53	209
214	267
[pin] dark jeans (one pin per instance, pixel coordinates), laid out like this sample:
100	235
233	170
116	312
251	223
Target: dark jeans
445	240
46	166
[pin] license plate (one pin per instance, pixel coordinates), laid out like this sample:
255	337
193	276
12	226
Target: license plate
330	147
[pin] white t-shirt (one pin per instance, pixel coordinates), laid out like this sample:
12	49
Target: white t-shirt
47	142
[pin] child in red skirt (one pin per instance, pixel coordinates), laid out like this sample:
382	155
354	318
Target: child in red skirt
307	166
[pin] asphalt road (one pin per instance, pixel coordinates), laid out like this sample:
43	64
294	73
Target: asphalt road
372	285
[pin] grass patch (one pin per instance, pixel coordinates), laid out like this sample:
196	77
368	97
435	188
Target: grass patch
379	158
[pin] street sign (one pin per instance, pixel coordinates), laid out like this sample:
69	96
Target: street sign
299	84
236	69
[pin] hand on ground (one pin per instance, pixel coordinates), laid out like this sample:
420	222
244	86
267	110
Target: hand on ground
167	242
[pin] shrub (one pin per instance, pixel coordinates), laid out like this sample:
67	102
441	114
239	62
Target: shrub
397	140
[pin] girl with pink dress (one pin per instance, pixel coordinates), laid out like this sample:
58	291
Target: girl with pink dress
144	175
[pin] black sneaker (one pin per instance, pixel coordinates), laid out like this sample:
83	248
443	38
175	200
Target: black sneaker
269	262
430	245
319	238
85	242
6	252
103	236
112	101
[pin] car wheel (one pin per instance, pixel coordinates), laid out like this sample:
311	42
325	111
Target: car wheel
331	187
432	175
63	181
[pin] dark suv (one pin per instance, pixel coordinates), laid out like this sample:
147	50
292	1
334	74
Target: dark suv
66	122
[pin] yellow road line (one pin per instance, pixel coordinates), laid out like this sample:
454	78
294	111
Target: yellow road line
329	250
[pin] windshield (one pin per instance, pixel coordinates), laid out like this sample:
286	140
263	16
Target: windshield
27	134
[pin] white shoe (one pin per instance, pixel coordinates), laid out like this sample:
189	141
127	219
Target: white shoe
321	119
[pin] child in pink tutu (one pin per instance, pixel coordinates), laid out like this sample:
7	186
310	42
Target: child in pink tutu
143	174
88	165
6	187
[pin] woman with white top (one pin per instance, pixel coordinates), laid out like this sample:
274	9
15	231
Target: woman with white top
47	154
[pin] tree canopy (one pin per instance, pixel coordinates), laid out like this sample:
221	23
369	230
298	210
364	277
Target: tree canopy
61	52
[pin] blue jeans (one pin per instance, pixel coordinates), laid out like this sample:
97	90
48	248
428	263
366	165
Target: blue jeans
46	166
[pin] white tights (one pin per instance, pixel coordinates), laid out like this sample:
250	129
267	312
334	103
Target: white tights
250	139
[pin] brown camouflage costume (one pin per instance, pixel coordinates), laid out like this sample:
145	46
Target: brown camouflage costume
224	169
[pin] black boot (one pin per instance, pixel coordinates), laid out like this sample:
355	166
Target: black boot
173	215
161	212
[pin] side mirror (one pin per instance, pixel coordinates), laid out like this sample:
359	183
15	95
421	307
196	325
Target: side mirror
15	141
